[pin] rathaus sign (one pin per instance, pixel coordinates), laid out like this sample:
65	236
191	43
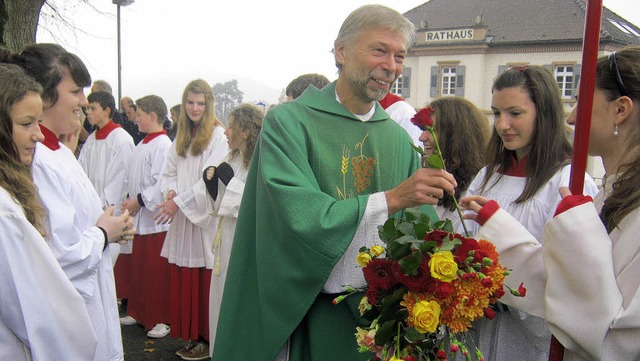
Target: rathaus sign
449	35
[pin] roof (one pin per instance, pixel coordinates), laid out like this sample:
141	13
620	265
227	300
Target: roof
523	21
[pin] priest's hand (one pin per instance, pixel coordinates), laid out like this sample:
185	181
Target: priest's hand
167	212
425	186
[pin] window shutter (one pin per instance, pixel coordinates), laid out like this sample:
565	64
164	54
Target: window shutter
576	77
406	83
460	75
433	89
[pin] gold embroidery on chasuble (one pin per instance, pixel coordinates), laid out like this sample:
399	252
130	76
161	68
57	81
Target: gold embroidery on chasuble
362	169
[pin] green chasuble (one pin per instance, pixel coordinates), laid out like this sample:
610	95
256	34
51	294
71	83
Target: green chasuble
313	169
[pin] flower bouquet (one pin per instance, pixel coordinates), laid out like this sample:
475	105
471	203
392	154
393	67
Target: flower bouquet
427	284
425	288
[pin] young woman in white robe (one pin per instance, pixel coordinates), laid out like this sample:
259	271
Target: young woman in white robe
584	280
225	185
527	161
78	231
200	142
42	316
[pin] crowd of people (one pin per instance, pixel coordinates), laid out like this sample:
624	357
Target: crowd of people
238	240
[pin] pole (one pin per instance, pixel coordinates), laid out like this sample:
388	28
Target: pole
590	47
119	58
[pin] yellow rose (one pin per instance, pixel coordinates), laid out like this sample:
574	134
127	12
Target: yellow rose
426	316
443	267
394	358
363	259
377	250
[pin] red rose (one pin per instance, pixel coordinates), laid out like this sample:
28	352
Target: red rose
423	119
437	236
489	313
421	281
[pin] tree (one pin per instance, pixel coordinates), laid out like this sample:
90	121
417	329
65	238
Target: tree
19	22
227	97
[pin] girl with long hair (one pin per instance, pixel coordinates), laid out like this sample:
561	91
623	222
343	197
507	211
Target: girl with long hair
42	317
78	230
200	142
527	161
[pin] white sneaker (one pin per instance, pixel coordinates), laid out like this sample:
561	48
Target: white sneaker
127	321
160	330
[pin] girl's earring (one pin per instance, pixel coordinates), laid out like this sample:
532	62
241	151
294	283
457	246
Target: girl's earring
616	131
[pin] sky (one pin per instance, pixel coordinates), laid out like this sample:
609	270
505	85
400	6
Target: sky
263	44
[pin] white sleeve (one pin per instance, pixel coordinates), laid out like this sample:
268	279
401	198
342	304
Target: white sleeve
230	202
521	253
78	251
169	175
152	195
347	272
39	304
195	203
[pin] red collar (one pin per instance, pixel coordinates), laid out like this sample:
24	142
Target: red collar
103	132
516	168
152	136
50	139
389	99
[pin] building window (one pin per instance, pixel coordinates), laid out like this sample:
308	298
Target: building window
565	79
396	88
448	83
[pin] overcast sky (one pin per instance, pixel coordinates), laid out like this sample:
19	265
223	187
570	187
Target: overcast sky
263	44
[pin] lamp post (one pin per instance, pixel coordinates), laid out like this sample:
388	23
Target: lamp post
120	3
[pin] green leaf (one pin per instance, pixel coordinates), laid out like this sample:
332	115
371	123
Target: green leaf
397	250
435	161
363	249
410	265
407	228
412	335
427	247
385	333
387	231
421	229
418	149
448	245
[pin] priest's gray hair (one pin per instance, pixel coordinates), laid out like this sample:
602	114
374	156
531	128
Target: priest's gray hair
375	17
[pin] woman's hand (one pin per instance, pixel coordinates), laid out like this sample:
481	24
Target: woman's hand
167	212
472	205
119	228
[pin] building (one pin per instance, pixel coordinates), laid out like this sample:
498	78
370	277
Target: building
463	45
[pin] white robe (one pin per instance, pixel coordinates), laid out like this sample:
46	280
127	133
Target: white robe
226	208
42	316
402	112
516	332
145	173
188	240
72	208
583	281
106	162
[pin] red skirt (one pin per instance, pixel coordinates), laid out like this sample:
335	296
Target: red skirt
122	275
149	300
189	302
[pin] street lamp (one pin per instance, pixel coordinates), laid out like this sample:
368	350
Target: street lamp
120	3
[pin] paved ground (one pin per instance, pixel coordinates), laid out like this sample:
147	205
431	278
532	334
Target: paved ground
137	346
